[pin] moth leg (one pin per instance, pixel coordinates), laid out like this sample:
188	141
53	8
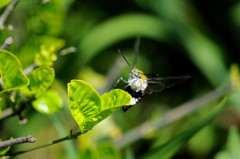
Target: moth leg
120	79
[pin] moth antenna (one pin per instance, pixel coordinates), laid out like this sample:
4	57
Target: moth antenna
124	58
136	48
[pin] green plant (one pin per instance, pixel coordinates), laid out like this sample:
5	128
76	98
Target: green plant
50	91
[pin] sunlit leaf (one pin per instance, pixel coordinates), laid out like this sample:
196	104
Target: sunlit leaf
88	108
11	72
48	103
4	3
168	149
40	80
233	146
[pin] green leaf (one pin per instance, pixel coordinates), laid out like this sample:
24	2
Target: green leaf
48	103
233	146
4	3
4	151
40	80
168	149
88	108
11	72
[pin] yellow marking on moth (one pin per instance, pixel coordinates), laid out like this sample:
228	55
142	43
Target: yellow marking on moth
143	77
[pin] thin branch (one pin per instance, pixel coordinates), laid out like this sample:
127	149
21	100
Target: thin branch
20	140
171	116
6	43
30	68
69	137
7	12
68	51
7	112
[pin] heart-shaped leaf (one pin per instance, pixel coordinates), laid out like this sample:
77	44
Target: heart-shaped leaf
11	72
40	80
89	108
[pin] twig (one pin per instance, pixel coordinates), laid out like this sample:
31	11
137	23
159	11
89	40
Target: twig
6	43
69	137
7	12
7	112
68	51
171	116
20	140
30	68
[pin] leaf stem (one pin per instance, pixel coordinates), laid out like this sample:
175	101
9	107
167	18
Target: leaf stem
69	137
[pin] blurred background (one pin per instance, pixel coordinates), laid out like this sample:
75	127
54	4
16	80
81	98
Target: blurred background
178	37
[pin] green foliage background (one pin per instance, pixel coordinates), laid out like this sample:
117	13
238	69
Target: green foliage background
178	37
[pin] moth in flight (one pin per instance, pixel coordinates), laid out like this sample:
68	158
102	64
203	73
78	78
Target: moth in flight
138	83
